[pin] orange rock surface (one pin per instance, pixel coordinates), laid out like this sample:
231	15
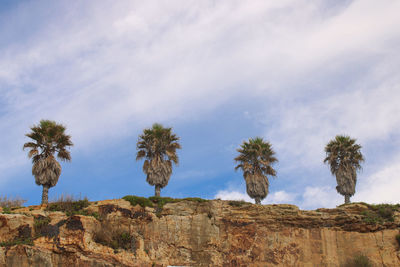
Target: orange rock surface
212	233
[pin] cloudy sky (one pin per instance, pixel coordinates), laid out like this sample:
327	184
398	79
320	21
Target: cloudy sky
294	72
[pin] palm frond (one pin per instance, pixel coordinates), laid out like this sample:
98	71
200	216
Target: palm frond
33	152
158	146
344	158
46	171
49	138
255	159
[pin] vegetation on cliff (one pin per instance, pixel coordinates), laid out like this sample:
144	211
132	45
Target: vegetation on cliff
380	213
17	241
223	231
113	237
6	202
359	260
71	206
158	201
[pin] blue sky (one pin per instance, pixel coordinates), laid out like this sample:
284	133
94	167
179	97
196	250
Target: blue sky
294	72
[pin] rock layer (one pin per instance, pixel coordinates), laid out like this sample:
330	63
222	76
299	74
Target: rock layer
189	233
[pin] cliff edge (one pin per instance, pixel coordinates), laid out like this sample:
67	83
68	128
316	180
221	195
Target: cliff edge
197	233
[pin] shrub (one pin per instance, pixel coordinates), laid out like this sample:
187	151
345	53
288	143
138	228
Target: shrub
68	204
71	206
160	201
114	238
236	203
40	224
359	260
380	213
194	199
11	202
41	221
7	210
17	241
135	200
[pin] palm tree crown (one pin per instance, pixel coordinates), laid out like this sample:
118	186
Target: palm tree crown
345	158
49	138
255	160
158	146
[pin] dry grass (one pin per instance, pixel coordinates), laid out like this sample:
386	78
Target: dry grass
71	205
65	198
112	236
237	203
9	203
359	260
380	213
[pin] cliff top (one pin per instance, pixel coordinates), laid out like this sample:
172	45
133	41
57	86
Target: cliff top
137	231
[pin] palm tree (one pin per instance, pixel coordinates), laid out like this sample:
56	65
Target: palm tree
344	157
255	159
158	146
48	138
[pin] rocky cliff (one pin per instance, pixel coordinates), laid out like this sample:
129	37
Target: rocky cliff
198	233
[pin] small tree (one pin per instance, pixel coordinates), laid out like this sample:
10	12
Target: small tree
344	157
48	138
255	159
158	146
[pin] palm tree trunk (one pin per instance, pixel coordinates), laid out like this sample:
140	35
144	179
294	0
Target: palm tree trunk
258	200
157	190
45	194
346	199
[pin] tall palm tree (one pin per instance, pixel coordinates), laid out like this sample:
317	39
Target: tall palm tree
48	138
344	157
158	146
255	159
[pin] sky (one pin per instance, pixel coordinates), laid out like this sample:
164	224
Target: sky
295	72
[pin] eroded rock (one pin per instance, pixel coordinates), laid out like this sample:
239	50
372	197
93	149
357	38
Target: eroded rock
212	233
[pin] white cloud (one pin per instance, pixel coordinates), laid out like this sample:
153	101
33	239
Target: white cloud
311	198
281	197
382	186
320	197
107	71
368	115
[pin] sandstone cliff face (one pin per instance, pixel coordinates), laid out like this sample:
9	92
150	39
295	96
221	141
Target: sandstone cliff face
212	233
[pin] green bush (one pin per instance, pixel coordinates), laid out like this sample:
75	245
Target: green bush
160	201
17	241
39	225
236	203
359	260
135	200
194	199
7	210
41	221
72	206
68	206
381	213
114	238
